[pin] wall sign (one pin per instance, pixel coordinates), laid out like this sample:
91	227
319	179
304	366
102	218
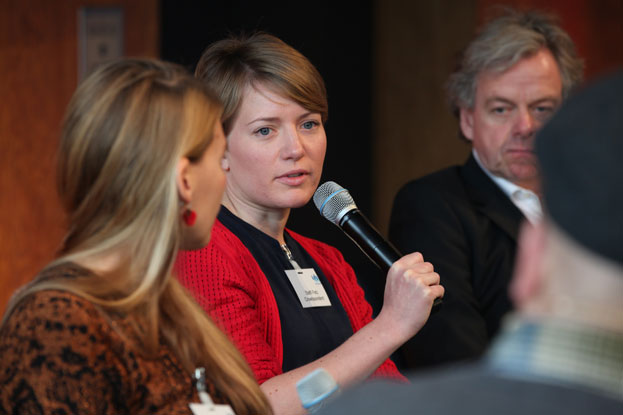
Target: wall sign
100	37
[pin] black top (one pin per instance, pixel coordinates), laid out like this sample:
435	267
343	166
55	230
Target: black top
307	333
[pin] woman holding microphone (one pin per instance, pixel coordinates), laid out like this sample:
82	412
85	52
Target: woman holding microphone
249	277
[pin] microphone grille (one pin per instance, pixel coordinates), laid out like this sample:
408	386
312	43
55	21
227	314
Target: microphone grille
333	201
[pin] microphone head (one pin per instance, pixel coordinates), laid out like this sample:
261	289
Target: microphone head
333	201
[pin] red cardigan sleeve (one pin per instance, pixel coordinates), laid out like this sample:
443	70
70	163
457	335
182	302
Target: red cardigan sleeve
228	283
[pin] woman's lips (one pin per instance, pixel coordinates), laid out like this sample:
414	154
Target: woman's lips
293	178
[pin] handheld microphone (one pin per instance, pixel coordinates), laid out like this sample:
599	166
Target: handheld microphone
337	206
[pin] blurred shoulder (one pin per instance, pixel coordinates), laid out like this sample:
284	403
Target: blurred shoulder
471	389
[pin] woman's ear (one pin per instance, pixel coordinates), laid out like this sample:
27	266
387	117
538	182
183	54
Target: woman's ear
183	180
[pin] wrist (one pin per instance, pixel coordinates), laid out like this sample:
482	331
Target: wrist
391	329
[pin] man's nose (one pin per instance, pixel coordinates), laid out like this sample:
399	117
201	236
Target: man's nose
525	124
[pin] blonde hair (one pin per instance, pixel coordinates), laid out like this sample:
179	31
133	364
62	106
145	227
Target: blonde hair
126	128
230	65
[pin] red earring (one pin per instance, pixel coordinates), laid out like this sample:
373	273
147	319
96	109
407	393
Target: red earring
189	216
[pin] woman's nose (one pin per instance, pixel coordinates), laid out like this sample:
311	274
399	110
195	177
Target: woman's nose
293	145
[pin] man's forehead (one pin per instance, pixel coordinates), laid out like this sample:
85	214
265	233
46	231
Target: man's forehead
534	77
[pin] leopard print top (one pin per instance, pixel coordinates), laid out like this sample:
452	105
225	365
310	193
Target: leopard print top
60	355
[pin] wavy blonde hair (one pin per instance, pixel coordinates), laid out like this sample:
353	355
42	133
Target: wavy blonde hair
126	128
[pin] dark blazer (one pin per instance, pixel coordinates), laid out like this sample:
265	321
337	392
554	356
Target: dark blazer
462	223
473	390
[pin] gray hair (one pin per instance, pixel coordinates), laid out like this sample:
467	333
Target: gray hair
506	40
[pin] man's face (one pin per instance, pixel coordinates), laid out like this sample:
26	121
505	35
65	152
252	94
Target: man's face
509	108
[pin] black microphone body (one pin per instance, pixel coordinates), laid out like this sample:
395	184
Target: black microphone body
362	232
337	206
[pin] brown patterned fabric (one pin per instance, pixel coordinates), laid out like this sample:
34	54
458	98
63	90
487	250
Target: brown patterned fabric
60	355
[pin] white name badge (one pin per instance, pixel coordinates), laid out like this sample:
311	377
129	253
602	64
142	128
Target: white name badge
308	287
208	407
204	409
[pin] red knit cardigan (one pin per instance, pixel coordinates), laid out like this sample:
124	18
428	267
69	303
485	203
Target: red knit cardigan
228	283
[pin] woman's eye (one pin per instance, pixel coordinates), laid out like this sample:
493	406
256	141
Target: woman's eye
263	131
308	125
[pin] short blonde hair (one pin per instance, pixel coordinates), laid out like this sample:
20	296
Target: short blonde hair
230	65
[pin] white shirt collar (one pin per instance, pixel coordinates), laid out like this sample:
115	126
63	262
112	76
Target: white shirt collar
526	200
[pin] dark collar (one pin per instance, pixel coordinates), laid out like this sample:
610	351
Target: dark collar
489	199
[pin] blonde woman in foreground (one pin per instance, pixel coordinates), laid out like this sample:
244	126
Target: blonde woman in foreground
105	328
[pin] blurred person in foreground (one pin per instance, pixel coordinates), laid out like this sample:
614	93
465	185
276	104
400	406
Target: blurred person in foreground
465	219
247	277
562	351
106	328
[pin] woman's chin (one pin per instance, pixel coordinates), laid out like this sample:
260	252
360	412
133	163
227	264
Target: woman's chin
192	240
300	201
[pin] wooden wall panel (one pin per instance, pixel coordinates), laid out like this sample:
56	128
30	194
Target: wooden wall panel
415	133
38	74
